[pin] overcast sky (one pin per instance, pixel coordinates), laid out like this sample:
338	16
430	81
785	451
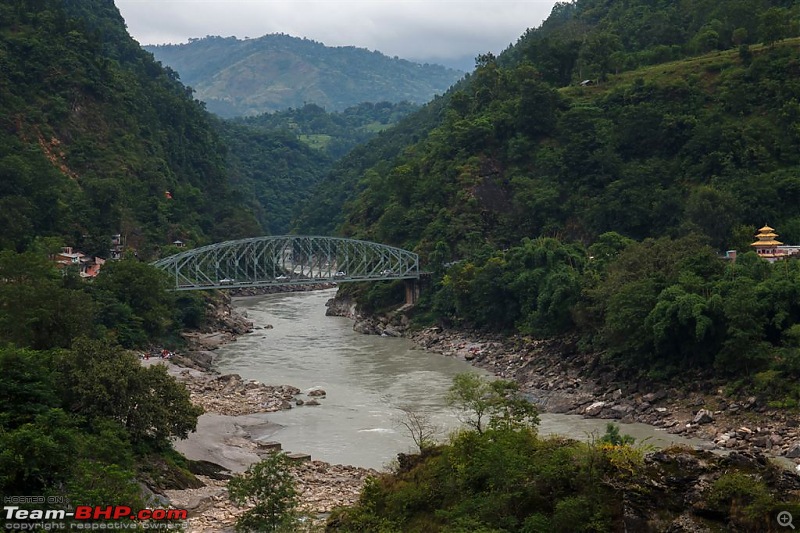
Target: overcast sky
450	32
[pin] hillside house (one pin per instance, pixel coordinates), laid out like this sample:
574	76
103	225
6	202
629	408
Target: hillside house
87	267
117	246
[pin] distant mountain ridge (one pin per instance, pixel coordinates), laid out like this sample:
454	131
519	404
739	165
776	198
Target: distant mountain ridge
275	72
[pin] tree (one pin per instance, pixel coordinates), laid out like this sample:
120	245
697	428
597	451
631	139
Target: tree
36	309
596	54
775	24
612	436
270	487
136	299
103	381
420	427
497	404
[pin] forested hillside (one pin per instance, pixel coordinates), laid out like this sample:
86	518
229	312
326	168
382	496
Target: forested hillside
276	159
601	207
542	207
276	72
518	154
96	139
334	133
273	171
96	132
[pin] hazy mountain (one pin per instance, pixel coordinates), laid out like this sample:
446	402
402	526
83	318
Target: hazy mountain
275	72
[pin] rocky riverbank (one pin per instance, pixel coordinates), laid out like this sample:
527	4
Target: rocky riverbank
235	431
561	379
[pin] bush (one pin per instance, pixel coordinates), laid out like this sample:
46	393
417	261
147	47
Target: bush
270	487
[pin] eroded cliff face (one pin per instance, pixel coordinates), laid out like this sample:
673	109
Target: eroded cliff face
222	325
678	489
393	324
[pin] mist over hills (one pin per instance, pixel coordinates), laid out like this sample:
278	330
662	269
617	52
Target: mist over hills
236	77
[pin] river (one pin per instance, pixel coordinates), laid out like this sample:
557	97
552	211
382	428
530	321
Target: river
367	380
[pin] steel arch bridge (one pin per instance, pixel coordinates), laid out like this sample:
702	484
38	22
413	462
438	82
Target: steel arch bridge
287	260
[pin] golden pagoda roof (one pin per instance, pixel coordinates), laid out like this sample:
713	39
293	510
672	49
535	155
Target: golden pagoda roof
766	228
767	243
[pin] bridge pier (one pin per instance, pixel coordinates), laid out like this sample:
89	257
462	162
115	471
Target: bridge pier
414	287
412	291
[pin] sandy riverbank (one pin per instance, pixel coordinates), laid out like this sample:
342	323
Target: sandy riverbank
234	433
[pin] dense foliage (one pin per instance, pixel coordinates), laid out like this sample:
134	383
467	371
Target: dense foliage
79	415
77	422
94	133
333	133
504	480
590	39
324	212
276	72
601	209
519	150
273	171
275	160
661	151
655	308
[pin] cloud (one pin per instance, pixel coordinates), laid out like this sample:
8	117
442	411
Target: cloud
408	28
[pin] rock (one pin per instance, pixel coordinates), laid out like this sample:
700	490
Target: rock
619	410
312	402
655	396
703	416
365	327
298	456
199	504
794	451
202	358
391	332
298	401
316	392
594	409
270	445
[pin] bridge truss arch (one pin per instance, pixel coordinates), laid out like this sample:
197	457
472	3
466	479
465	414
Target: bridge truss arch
287	260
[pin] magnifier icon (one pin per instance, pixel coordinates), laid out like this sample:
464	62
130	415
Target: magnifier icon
785	519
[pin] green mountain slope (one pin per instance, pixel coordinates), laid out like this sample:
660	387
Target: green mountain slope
333	133
95	133
272	170
276	159
700	145
546	206
275	72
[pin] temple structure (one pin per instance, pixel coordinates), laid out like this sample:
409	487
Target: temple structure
770	248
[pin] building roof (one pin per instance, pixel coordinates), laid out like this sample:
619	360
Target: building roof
766	237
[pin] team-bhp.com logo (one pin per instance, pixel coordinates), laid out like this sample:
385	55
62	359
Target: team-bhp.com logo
91	517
